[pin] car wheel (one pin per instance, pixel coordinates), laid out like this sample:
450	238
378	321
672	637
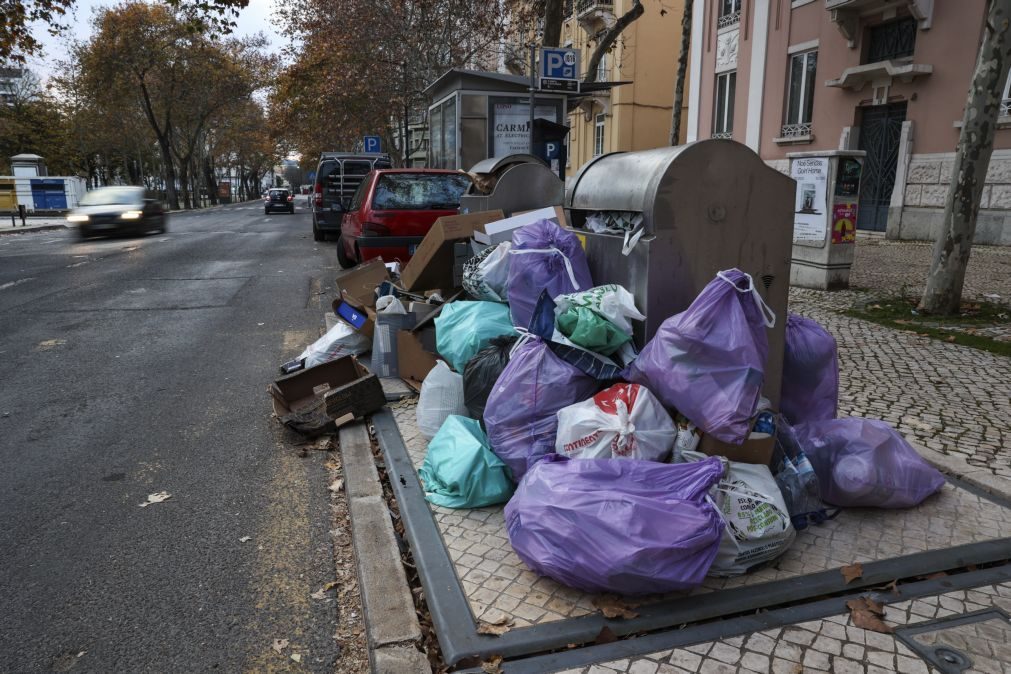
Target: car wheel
342	255
266	211
83	235
316	234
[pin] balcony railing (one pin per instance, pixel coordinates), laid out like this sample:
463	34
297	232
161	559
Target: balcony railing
795	130
1005	107
728	20
723	134
584	6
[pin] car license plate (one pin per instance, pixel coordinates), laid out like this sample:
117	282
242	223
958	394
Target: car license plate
412	249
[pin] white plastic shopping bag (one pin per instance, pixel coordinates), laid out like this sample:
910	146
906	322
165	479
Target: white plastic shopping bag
610	301
340	340
623	422
441	396
486	275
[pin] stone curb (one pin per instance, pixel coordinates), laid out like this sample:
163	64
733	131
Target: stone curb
391	623
30	228
977	477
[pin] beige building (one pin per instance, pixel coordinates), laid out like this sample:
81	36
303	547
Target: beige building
635	115
889	77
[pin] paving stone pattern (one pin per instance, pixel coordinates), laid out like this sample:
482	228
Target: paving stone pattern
835	644
497	583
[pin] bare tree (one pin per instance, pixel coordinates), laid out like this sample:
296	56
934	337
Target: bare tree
943	292
608	37
679	83
552	23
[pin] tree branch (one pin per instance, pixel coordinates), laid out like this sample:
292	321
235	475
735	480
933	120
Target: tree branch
608	38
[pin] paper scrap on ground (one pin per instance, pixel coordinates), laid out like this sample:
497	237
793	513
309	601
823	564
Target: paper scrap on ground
245	538
336	486
296	657
279	644
321	593
158	497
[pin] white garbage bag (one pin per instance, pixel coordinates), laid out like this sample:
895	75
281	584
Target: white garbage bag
609	301
441	396
340	340
486	275
758	528
625	421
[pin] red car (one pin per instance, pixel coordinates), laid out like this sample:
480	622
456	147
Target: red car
393	209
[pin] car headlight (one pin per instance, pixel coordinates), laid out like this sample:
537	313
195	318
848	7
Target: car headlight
77	218
132	215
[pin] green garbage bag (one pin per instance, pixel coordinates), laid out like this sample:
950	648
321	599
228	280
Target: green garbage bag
589	330
460	470
464	328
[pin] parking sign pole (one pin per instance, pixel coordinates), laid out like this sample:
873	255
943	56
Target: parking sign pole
533	87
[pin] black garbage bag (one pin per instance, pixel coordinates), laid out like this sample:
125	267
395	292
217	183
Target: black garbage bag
482	371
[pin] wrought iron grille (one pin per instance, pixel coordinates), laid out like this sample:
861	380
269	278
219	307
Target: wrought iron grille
1005	107
728	20
795	130
723	134
892	40
584	6
880	130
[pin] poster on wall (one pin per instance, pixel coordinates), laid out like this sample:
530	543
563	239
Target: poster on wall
844	222
810	218
511	134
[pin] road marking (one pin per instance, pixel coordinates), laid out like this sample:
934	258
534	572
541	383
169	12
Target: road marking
11	284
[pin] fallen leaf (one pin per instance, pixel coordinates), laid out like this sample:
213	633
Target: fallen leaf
605	636
158	497
492	665
613	606
245	538
279	645
321	593
950	339
852	572
901	321
894	586
867	614
336	486
496	628
296	657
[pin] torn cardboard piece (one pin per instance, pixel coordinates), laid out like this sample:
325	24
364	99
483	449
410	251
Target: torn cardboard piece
502	230
358	285
340	389
431	266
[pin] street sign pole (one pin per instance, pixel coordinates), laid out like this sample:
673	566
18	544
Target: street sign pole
533	86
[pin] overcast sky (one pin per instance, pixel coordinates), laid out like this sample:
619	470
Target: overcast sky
254	18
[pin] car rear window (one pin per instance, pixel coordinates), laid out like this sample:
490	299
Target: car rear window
419	191
278	193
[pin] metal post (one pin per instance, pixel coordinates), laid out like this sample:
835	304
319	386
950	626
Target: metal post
533	86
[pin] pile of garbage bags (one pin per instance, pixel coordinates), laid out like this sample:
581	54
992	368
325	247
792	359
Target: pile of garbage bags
640	471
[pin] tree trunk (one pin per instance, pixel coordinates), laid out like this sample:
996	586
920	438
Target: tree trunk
608	38
552	23
184	184
212	185
943	293
679	83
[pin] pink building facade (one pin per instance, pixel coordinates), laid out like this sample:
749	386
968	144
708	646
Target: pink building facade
889	77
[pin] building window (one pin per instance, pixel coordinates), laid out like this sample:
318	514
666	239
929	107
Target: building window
800	94
1005	101
730	13
602	69
892	40
723	124
598	136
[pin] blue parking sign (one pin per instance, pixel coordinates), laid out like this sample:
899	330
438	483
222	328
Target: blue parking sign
372	144
559	70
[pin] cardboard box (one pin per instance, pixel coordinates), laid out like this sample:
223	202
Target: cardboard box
414	359
359	317
431	266
756	451
502	230
347	389
359	284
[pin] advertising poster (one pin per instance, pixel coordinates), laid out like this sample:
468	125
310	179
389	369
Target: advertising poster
844	223
810	221
512	126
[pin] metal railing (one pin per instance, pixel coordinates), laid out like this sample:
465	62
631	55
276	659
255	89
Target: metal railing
584	6
795	130
728	20
723	134
1005	107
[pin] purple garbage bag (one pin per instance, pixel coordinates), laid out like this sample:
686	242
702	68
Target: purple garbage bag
544	257
865	462
520	414
708	362
810	372
610	525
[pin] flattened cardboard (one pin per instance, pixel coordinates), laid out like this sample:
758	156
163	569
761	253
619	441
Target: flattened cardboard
414	362
757	451
502	230
359	284
431	266
295	392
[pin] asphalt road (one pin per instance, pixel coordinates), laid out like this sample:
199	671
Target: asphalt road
135	366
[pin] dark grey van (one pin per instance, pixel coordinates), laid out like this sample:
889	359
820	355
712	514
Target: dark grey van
338	175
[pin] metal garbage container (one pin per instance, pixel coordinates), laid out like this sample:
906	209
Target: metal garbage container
513	183
696	209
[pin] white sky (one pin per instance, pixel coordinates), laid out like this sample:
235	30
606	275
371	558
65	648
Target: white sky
253	19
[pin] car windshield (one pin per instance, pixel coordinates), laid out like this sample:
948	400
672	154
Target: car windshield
112	196
419	191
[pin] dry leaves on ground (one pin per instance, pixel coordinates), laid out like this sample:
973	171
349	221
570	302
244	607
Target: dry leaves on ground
321	593
279	645
852	572
613	606
297	657
492	665
867	614
496	628
336	486
158	497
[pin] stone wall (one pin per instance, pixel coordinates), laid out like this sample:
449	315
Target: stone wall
927	181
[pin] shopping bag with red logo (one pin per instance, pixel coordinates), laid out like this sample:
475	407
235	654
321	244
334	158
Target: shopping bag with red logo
625	421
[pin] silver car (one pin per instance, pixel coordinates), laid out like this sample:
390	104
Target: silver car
117	210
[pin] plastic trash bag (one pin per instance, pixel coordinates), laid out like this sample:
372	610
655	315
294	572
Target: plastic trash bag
631	527
486	275
340	340
481	373
588	330
460	470
521	412
544	257
605	369
810	372
611	302
796	479
865	462
758	528
441	395
464	328
708	362
623	422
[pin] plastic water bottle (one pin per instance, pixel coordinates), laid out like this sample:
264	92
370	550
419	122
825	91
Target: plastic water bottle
859	482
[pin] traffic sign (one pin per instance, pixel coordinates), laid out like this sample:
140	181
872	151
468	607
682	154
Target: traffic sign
372	144
559	70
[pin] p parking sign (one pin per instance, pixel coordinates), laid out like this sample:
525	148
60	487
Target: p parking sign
372	144
559	70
